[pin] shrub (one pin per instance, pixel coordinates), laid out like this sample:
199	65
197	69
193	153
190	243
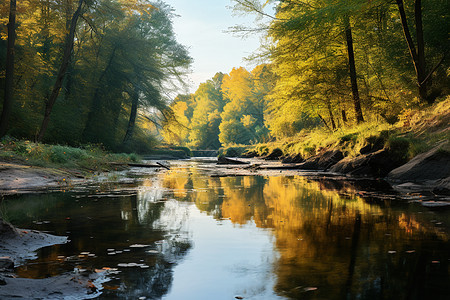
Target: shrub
398	147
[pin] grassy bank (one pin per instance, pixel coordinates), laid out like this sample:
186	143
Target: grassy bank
87	158
416	131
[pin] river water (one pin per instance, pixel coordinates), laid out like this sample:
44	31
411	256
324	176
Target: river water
183	234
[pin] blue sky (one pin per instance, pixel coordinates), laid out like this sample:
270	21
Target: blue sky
201	27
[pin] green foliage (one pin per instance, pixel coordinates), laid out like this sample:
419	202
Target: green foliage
233	151
398	147
124	51
89	157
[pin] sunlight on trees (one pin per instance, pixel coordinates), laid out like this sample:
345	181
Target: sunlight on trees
330	64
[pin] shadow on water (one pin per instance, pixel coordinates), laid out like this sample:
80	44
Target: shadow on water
325	241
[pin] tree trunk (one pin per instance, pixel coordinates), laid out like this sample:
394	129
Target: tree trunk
423	85
352	67
133	114
344	116
418	57
330	112
95	106
9	83
61	73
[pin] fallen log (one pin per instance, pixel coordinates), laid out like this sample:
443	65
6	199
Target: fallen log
157	165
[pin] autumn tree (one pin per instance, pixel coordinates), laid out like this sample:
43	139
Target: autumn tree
9	75
206	118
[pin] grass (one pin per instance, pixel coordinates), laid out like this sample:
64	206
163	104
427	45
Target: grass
416	131
86	158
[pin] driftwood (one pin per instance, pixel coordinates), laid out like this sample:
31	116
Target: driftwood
157	165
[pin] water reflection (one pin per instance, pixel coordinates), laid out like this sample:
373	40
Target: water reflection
258	237
331	246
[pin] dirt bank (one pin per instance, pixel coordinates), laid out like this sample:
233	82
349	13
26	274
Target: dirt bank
18	178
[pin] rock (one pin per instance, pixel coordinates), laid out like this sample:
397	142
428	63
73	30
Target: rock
374	143
6	229
6	263
442	187
323	161
311	163
376	164
431	165
274	155
250	154
293	159
222	160
329	159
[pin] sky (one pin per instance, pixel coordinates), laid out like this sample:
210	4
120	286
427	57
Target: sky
201	27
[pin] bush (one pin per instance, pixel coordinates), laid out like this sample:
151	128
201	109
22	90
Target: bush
398	147
89	157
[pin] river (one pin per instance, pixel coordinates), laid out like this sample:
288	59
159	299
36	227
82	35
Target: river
183	234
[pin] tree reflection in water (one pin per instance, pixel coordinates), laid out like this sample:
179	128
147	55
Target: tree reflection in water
309	239
331	246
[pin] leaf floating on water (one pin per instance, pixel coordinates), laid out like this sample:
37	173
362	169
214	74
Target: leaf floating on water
100	270
309	289
238	297
410	251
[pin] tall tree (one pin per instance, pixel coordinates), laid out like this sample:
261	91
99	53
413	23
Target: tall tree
62	71
352	69
9	86
418	54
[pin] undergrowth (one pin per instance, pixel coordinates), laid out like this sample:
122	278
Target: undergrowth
88	157
417	131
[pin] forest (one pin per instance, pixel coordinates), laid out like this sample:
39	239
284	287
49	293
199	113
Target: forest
104	72
326	66
88	72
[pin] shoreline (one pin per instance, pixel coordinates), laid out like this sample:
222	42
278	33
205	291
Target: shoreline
19	244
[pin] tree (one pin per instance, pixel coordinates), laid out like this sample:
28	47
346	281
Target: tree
9	76
352	70
418	54
62	71
208	105
176	126
243	115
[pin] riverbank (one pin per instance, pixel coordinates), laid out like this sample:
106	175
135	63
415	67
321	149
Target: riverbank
26	166
413	154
